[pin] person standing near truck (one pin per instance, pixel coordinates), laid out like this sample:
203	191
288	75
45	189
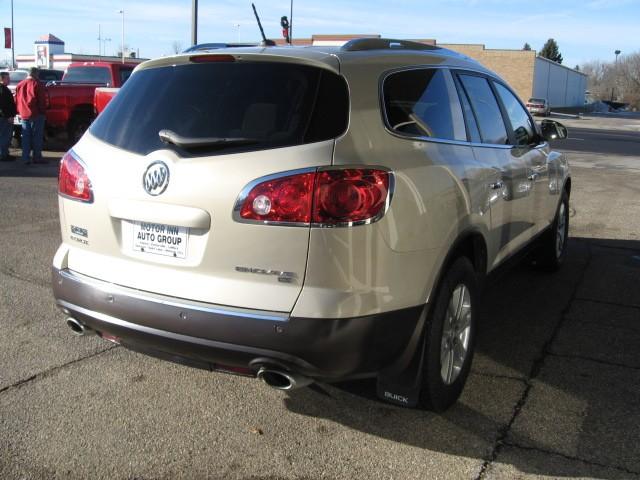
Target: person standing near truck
7	112
30	99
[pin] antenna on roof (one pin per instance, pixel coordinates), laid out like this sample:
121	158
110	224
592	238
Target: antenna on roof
265	41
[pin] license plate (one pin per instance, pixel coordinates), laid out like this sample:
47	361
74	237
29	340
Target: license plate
159	239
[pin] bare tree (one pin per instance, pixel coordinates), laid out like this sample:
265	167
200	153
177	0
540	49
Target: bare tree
615	81
176	47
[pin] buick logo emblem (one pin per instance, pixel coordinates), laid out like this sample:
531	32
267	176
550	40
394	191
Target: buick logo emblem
156	178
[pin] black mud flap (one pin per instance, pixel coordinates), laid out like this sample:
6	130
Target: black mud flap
400	384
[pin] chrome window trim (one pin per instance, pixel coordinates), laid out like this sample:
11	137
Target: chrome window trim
112	288
245	193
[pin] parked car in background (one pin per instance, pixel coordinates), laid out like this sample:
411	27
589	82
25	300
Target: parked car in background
70	99
307	214
539	106
15	77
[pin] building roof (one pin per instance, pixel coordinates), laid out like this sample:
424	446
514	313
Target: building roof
49	38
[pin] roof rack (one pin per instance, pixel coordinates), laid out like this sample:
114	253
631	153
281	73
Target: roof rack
363	44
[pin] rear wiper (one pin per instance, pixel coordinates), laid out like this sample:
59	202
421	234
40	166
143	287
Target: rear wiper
169	136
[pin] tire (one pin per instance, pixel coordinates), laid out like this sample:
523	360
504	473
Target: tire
76	128
552	249
448	331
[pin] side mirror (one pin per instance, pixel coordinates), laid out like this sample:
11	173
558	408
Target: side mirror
552	130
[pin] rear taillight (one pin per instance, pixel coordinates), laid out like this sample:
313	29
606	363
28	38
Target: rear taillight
73	181
283	200
336	197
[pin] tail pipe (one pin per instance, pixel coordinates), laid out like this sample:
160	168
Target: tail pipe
283	380
78	328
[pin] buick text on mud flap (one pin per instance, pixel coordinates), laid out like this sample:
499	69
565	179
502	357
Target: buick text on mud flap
159	239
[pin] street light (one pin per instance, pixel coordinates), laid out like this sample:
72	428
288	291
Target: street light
122	12
615	77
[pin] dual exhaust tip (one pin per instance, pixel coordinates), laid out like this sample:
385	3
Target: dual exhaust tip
272	376
282	379
78	328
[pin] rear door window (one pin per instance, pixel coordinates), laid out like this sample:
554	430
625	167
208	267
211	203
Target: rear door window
485	106
423	103
267	104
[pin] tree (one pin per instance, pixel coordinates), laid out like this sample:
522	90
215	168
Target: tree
176	47
550	50
526	47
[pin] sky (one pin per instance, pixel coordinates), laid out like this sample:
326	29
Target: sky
584	30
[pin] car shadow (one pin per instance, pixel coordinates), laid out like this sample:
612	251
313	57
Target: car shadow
541	381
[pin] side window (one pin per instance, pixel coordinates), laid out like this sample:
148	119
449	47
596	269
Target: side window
469	116
520	121
485	105
125	73
423	103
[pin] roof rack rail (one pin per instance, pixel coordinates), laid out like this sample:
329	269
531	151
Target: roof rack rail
363	44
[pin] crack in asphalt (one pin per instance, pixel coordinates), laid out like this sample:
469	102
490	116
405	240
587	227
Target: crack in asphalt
9	272
612	304
570	457
50	371
500	377
538	363
595	360
613	247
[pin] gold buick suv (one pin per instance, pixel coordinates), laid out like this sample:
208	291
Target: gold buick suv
307	214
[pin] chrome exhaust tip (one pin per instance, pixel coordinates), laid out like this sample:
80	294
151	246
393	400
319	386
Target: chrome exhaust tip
78	328
282	380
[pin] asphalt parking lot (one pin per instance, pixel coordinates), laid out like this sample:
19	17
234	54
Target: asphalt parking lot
554	391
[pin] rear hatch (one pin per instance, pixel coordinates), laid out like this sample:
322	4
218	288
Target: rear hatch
161	213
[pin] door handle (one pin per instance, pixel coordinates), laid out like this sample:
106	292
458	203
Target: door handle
496	185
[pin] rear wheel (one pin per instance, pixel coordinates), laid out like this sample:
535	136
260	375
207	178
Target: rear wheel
77	127
450	337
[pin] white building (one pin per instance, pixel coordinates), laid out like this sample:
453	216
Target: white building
48	52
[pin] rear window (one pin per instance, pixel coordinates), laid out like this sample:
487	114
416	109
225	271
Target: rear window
100	75
536	100
270	104
50	75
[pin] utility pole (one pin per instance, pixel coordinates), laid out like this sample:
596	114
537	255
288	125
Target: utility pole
291	24
13	46
122	12
194	22
99	41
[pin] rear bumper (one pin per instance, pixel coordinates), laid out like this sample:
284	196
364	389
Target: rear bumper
212	336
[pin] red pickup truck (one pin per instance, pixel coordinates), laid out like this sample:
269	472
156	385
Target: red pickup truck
70	102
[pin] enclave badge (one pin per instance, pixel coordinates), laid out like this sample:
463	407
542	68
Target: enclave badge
156	178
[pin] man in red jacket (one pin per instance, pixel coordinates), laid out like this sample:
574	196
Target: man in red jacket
31	103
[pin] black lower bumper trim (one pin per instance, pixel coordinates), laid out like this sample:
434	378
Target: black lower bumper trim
183	331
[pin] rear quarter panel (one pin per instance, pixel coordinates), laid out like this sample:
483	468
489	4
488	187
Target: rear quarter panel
440	192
